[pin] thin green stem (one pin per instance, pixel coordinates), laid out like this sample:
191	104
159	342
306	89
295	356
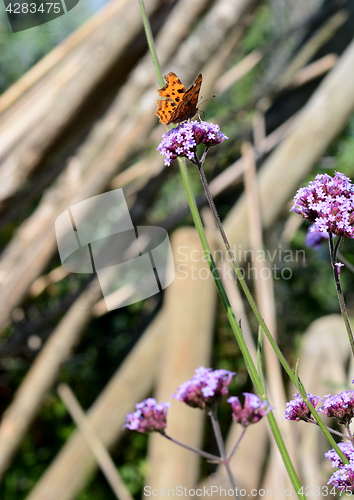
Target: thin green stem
208	456
332	431
236	445
350	434
151	42
333	249
259	358
336	248
217	433
221	446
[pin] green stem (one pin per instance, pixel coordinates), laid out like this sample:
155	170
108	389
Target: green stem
332	431
236	445
208	456
221	446
333	249
259	358
350	434
151	43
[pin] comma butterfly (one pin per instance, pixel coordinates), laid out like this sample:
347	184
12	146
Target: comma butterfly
180	104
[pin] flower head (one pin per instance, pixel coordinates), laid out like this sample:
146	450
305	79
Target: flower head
343	478
149	416
328	203
205	388
297	410
183	140
347	448
340	406
315	238
252	411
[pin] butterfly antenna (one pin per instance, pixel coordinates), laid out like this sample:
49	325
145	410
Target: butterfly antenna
212	97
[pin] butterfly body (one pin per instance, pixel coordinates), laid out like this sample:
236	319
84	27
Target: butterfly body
179	104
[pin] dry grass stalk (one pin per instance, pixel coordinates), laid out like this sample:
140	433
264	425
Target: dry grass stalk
264	289
57	55
314	70
307	52
101	454
241	69
187	344
133	381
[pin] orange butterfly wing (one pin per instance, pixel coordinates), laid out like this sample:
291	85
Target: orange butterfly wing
179	105
173	88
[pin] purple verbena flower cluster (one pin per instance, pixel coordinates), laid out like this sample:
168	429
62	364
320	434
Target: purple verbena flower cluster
297	410
340	406
252	411
328	203
149	416
347	448
343	478
184	139
205	388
